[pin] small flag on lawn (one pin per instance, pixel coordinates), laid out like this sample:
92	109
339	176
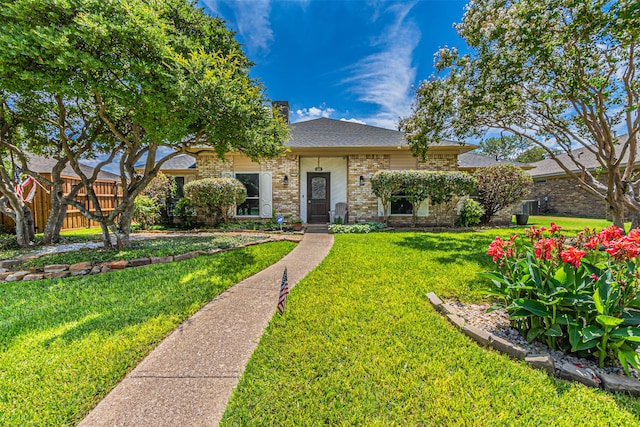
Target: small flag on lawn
284	290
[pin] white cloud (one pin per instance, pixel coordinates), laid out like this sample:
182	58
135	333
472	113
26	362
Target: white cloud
352	120
385	78
252	19
311	113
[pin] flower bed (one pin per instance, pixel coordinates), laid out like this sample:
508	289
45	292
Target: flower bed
577	293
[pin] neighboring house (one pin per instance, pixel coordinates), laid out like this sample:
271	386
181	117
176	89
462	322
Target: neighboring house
328	162
106	188
559	193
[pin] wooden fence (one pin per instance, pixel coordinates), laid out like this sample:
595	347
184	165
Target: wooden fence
41	204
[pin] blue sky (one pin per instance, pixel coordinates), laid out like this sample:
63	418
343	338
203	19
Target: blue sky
355	60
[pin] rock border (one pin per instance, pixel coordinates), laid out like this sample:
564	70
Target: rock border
87	267
567	371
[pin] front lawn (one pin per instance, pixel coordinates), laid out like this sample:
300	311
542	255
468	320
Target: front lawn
360	344
65	343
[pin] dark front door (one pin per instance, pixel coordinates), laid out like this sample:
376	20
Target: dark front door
318	197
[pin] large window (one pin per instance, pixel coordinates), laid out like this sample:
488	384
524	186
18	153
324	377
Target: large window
400	205
251	206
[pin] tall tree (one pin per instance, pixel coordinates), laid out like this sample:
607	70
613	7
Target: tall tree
505	147
155	74
559	73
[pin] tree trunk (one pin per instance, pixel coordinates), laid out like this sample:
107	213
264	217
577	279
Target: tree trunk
106	237
56	218
123	230
617	215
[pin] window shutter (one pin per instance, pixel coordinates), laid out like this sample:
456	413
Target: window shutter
266	203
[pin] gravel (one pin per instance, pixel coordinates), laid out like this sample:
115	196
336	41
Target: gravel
497	323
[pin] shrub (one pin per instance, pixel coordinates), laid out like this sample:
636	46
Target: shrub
499	187
418	186
146	211
162	189
580	294
186	212
216	197
470	214
365	227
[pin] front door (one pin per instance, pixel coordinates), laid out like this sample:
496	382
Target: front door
318	197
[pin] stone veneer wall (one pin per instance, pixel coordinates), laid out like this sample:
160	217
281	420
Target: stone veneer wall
566	197
439	162
286	199
363	204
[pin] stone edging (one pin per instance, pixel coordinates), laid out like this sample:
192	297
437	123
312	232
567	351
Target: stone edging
612	383
87	267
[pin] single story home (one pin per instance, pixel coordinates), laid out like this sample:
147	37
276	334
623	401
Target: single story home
327	162
559	193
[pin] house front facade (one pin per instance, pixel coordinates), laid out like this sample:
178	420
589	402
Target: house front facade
330	162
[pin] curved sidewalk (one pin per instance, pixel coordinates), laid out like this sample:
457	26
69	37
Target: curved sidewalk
188	379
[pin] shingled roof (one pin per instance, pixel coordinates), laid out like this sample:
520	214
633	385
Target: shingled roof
182	161
331	133
42	164
474	161
550	167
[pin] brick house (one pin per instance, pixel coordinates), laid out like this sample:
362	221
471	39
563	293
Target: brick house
559	193
328	162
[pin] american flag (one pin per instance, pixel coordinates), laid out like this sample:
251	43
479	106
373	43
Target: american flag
21	186
284	290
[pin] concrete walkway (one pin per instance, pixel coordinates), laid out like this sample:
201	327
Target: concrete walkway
188	379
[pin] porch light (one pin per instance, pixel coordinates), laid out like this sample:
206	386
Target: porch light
361	180
286	180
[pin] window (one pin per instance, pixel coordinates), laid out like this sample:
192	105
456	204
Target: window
179	187
251	206
400	205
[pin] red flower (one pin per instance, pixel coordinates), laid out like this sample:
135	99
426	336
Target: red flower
623	249
609	233
572	256
533	233
553	228
544	247
498	246
594	243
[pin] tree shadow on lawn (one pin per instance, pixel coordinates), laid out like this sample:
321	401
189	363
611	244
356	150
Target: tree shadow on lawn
114	301
450	247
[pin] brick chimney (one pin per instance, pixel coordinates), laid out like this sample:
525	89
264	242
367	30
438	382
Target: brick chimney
283	108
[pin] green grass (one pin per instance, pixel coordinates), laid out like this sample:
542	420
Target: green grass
65	343
360	345
144	248
571	223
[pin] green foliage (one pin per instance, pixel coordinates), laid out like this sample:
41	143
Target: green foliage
558	73
505	147
500	186
146	211
359	344
216	198
470	214
569	294
532	155
418	186
365	227
65	343
186	212
162	189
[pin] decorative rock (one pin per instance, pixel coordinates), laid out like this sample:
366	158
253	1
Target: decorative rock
118	265
620	384
584	376
447	308
542	361
96	269
35	270
161	259
56	274
456	320
4	275
139	261
434	300
3	270
505	346
182	257
8	263
476	334
18	275
80	266
55	268
79	272
33	276
105	269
